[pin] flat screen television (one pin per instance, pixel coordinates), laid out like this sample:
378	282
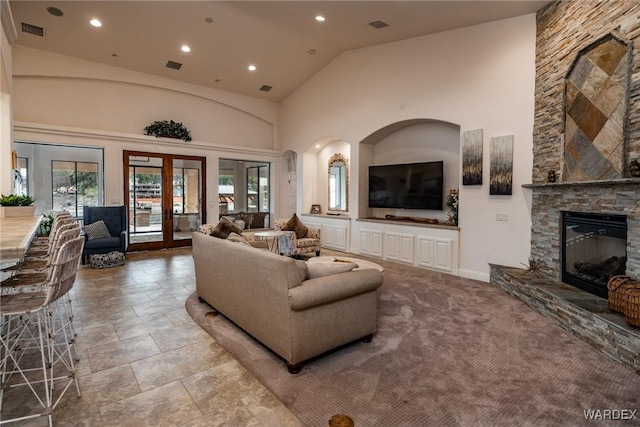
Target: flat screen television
407	186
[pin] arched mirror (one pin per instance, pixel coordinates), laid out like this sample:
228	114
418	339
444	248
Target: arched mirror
338	183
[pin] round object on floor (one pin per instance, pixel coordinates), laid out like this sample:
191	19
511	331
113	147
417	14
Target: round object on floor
341	420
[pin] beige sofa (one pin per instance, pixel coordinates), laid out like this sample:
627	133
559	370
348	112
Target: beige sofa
268	296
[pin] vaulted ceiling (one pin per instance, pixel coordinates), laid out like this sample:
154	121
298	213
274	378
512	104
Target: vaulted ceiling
282	39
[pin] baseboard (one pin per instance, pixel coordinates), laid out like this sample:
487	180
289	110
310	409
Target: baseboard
470	274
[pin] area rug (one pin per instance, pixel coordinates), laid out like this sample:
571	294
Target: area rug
448	351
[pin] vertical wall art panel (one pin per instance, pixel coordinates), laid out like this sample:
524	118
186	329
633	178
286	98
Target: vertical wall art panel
472	157
501	165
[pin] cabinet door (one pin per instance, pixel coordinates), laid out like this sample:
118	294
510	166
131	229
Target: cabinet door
371	243
399	247
425	251
335	237
443	254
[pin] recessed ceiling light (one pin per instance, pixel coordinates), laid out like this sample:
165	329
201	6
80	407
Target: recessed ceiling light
320	18
208	20
55	11
317	145
252	68
95	22
312	51
185	48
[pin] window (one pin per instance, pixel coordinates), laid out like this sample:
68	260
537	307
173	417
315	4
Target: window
22	176
74	185
244	191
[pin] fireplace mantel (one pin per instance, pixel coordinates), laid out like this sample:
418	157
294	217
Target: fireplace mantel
621	181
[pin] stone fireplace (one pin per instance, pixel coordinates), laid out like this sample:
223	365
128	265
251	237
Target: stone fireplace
586	124
587	131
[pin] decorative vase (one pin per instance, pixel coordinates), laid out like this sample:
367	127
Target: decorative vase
15	211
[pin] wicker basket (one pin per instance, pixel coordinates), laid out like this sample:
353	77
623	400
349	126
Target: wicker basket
632	311
618	286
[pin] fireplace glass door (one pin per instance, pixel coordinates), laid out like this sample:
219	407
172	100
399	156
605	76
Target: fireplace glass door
594	250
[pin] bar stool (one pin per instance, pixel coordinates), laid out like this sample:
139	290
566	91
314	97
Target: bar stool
31	320
39	264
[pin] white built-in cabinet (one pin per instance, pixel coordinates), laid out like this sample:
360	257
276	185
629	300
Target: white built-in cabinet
423	245
334	230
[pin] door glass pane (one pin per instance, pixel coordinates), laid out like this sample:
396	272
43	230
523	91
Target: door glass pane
145	199
187	212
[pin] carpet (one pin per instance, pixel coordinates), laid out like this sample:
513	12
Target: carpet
449	351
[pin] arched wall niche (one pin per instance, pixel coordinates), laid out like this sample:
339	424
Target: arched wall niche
408	141
315	179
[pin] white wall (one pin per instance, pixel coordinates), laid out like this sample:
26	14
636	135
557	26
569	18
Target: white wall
6	37
67	101
65	91
475	77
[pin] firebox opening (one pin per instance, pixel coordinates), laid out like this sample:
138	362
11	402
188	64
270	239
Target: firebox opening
594	249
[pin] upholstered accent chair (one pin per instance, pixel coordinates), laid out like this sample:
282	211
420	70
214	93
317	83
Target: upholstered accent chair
115	218
292	245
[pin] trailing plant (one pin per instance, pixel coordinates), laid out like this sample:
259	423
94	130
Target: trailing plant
46	223
16	200
168	129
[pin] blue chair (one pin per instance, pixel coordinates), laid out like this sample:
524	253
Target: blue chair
115	218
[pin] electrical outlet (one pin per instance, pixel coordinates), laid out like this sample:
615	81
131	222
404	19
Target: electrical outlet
502	217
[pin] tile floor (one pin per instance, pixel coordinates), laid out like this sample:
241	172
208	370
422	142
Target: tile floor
144	362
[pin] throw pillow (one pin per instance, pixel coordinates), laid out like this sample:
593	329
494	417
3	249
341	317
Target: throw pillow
236	238
294	224
224	228
207	228
320	269
97	230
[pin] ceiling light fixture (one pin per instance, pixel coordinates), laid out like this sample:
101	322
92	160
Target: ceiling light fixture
55	11
95	22
208	20
320	18
185	48
252	68
317	145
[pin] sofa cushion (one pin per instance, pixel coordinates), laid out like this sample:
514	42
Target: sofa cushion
320	269
224	228
294	224
108	242
236	238
303	270
97	230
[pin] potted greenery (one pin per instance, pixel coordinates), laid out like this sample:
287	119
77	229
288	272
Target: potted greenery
16	205
168	129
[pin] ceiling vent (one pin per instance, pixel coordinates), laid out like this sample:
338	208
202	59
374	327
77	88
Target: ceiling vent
174	65
378	24
32	29
266	88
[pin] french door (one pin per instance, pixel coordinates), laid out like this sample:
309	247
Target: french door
165	196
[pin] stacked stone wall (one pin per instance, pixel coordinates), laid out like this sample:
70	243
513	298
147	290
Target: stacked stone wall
564	28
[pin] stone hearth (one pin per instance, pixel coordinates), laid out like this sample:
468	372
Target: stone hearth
582	314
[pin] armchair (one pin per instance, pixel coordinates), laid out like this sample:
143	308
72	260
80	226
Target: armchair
291	245
115	218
